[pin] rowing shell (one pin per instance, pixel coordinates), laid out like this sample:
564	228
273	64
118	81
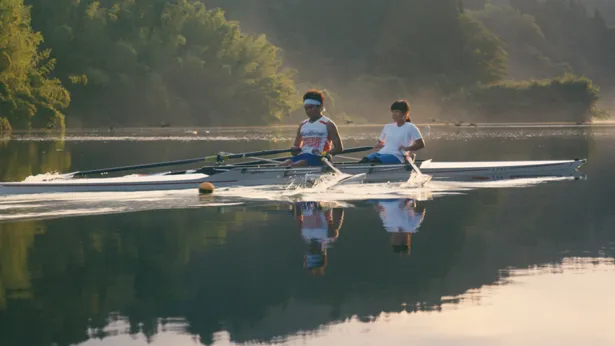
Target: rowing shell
127	183
228	176
378	173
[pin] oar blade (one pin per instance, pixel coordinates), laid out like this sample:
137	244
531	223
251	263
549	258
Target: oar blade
353	179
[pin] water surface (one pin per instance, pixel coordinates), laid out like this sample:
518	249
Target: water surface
501	263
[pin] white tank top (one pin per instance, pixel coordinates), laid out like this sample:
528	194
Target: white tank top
315	135
314	224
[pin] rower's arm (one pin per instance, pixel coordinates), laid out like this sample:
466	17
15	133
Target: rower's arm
338	219
381	139
416	145
298	139
338	146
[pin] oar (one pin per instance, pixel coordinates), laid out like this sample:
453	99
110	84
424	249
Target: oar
424	179
416	169
337	171
326	162
357	149
218	157
280	159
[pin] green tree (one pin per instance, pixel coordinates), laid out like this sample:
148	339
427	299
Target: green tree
524	42
28	96
145	62
575	37
420	41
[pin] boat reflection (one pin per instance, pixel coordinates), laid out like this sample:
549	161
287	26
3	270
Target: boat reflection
512	177
320	224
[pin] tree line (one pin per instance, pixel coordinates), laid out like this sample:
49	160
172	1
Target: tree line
181	62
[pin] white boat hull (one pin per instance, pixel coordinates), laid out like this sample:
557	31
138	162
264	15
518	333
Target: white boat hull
256	176
498	170
124	184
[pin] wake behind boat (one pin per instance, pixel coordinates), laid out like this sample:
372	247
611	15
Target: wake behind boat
269	174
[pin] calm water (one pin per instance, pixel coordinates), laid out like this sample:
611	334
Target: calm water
507	263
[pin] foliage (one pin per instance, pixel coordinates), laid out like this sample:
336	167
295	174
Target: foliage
28	96
524	42
5	126
418	40
146	62
181	62
574	37
605	7
568	98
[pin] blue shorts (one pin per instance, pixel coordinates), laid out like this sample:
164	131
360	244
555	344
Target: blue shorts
388	159
311	159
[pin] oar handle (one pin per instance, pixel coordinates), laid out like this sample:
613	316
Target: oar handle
284	158
356	150
221	157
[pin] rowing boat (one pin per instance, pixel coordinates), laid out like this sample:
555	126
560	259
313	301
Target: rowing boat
379	173
268	174
153	182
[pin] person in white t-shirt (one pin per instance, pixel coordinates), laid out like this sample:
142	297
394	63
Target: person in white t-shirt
397	137
401	218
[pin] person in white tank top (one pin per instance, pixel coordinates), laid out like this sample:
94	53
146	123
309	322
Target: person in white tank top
320	228
397	138
315	135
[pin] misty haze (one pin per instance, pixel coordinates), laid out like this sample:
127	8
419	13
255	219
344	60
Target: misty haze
307	172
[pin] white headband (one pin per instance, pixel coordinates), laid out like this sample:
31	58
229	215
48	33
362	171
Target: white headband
311	102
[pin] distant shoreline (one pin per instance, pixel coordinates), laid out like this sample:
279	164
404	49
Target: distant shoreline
188	129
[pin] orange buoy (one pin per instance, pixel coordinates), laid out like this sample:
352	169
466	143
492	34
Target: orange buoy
206	188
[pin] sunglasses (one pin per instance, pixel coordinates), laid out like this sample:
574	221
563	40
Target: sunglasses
311	107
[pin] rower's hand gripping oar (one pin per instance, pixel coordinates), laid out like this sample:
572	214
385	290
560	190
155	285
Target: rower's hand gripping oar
212	158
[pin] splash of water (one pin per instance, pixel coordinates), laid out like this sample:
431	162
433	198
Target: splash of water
47	177
416	180
54	205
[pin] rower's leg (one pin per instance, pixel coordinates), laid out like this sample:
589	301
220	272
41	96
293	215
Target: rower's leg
371	158
301	163
388	159
295	161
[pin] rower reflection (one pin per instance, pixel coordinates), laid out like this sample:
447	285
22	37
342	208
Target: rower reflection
401	218
320	224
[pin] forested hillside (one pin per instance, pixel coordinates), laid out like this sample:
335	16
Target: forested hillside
246	62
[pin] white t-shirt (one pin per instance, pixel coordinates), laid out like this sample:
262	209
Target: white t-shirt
393	136
396	217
